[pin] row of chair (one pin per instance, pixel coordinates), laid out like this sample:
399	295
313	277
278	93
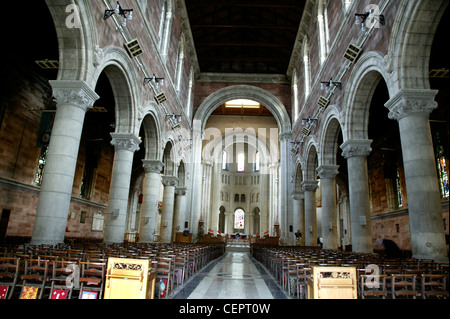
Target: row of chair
67	272
378	277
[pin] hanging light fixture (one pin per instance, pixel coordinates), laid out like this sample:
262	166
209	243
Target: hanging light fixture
329	84
360	18
127	14
155	80
174	117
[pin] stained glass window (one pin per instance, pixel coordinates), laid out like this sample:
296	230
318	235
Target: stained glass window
443	172
41	165
398	189
224	161
257	159
241	162
239	219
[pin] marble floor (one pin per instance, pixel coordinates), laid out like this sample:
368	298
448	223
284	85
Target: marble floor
235	275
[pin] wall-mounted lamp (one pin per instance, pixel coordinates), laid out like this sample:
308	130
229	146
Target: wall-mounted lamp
174	117
329	84
181	139
155	80
308	121
360	18
125	13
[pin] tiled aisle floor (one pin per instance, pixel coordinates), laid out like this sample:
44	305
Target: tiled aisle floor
234	276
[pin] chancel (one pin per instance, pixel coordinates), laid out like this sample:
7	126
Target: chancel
193	149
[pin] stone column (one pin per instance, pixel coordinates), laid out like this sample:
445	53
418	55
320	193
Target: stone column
179	211
411	108
169	182
73	98
327	176
150	193
285	188
196	182
356	152
215	188
126	145
299	214
309	188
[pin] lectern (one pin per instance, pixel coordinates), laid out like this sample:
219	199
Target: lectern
129	279
332	283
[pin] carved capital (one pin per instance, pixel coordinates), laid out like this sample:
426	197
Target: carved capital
152	166
76	93
328	171
124	141
310	186
181	191
298	195
353	148
170	181
411	101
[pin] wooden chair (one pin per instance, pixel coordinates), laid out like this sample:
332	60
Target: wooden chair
303	273
9	274
65	278
92	280
404	286
373	286
180	267
163	276
34	279
434	286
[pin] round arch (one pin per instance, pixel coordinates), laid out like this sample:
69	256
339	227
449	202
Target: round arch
329	132
152	137
115	62
311	158
412	36
73	58
219	97
367	73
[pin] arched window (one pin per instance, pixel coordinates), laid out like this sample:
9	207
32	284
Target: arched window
295	94
180	63
190	88
306	67
241	162
224	161
166	27
322	21
239	216
257	160
347	4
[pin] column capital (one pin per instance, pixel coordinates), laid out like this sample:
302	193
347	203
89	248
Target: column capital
411	101
285	136
125	141
298	195
170	181
151	166
310	186
353	148
77	93
181	191
328	171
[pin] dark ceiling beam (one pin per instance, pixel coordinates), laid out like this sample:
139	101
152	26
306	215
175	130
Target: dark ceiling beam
245	26
242	44
245	59
274	4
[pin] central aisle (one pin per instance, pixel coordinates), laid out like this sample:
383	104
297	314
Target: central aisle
234	276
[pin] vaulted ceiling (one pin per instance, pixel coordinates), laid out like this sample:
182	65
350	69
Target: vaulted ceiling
244	36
